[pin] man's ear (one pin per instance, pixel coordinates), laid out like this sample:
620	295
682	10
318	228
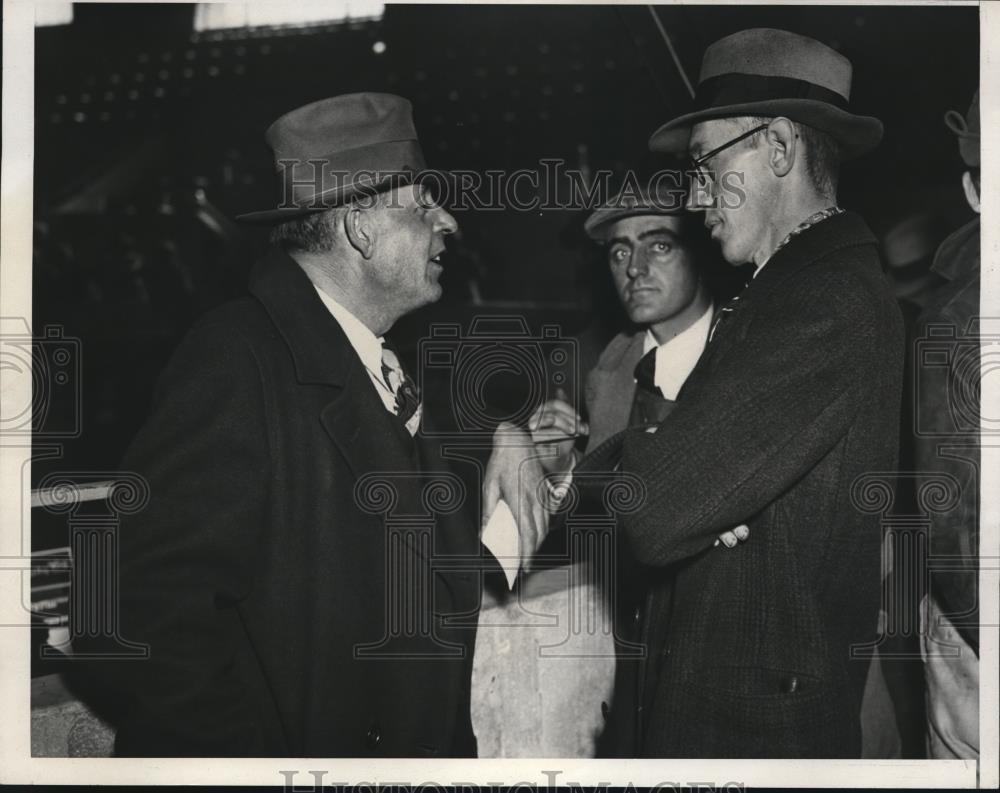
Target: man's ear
971	193
360	231
783	144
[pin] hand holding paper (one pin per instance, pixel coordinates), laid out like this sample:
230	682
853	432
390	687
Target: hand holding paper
514	478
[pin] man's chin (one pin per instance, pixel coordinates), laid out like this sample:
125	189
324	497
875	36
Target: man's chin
433	293
733	255
641	316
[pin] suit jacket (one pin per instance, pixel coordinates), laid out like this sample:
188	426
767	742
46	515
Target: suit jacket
610	387
611	396
785	424
285	542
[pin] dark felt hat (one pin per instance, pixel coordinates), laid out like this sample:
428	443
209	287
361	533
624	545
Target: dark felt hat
967	130
770	73
336	149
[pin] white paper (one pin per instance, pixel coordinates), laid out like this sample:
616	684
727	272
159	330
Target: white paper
502	540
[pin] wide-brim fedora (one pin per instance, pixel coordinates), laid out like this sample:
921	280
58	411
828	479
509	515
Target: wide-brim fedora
338	149
770	73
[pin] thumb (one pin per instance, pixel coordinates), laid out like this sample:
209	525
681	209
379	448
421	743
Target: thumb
491	495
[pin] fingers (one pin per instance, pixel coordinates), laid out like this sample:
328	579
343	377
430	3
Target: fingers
734	536
527	528
491	495
555	412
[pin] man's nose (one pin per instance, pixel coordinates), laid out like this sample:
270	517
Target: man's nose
637	266
699	196
444	222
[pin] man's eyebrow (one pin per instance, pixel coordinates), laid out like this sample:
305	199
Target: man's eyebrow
659	231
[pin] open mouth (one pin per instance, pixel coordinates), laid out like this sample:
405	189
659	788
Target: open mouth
436	258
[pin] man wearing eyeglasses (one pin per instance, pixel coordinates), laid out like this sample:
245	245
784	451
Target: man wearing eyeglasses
788	423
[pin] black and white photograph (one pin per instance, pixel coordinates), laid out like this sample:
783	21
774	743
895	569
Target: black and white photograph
477	394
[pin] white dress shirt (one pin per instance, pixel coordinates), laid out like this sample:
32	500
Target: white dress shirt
366	344
676	357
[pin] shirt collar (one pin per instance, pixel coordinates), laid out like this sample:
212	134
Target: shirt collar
676	357
366	344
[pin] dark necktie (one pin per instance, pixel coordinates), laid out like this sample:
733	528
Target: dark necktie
645	373
407	396
723	313
729	308
649	406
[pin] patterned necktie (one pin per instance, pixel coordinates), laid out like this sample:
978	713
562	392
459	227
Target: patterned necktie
407	397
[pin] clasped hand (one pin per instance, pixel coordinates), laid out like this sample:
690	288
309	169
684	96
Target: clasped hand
521	460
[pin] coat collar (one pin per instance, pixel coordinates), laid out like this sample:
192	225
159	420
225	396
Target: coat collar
319	347
846	230
369	437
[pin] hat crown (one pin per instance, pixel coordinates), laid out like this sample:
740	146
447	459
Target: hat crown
767	52
341	123
329	151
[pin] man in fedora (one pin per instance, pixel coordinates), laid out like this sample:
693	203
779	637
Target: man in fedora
263	574
788	423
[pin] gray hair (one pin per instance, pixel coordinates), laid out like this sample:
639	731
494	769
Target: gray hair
318	232
315	232
822	152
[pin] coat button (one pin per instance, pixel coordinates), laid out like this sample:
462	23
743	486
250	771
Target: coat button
637	615
374	736
789	685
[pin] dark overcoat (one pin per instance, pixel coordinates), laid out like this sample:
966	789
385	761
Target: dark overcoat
281	573
788	423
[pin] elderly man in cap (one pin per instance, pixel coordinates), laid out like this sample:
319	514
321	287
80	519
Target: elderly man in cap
788	423
262	575
947	446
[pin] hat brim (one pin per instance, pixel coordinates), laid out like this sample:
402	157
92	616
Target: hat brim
856	135
596	225
338	197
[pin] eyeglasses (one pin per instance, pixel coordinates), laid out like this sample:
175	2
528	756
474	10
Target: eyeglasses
695	165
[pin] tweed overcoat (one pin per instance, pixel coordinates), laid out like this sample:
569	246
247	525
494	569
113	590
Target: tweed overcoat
789	423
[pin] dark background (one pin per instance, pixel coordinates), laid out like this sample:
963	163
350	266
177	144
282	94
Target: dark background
149	139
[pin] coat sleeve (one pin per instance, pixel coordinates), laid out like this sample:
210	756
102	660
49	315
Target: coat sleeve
742	435
184	558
